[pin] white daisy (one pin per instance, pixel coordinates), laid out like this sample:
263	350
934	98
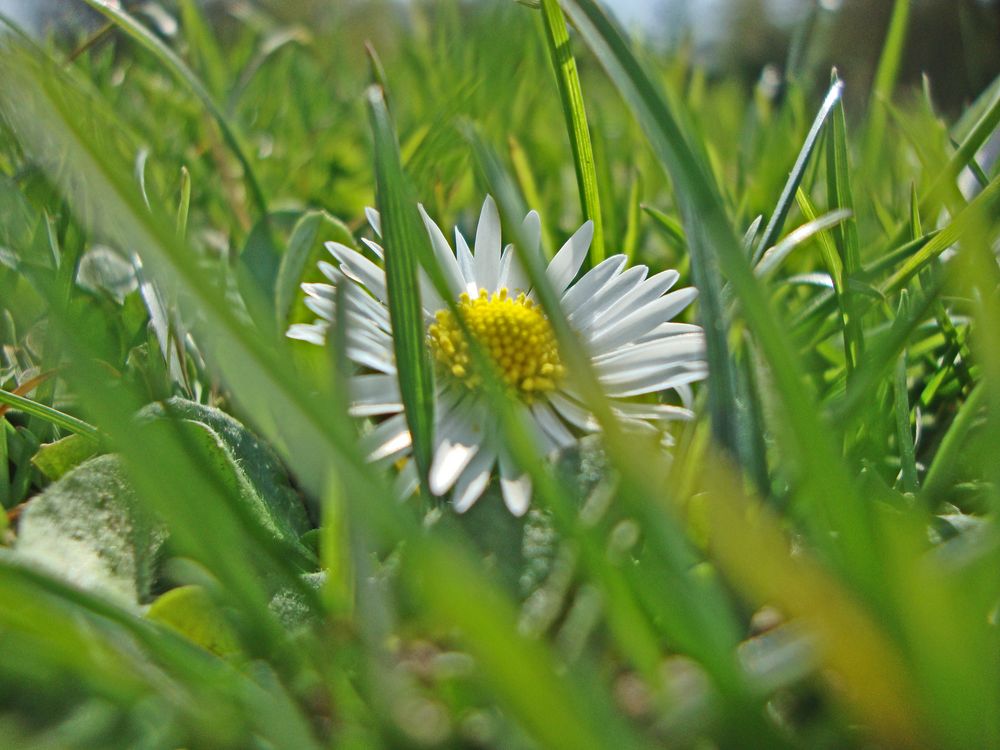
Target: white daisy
622	318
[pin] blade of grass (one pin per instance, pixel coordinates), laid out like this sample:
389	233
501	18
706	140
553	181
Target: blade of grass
885	82
787	197
405	242
841	197
48	414
571	95
901	405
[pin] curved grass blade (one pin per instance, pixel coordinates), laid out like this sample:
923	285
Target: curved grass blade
405	242
48	414
787	197
571	95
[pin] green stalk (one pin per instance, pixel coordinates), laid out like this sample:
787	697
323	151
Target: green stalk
568	78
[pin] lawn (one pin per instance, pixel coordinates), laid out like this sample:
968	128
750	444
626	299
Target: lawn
458	374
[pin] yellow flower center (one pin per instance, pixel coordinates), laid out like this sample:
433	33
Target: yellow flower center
512	331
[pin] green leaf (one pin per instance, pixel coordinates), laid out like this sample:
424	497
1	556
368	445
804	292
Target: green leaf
406	242
190	611
56	459
88	529
305	247
575	113
243	459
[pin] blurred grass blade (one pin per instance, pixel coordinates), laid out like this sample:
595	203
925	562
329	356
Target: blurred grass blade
885	82
787	197
406	242
949	454
980	209
571	95
169	59
310	231
750	548
204	48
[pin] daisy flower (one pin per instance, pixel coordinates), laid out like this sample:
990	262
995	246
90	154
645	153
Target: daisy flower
623	318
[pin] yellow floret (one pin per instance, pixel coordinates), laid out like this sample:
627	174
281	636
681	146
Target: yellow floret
512	331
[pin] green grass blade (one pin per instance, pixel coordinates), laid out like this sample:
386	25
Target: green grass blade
971	216
841	197
885	82
405	242
204	48
787	198
177	67
557	37
47	413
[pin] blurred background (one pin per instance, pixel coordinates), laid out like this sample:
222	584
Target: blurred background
955	42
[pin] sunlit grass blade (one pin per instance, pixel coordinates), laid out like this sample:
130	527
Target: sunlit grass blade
405	242
841	197
557	37
177	67
787	198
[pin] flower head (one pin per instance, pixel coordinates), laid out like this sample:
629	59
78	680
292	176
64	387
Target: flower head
622	316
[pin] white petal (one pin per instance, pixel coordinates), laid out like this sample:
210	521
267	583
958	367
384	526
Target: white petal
608	298
488	246
406	481
331	272
373	395
641	321
567	261
356	266
473	480
374	247
631	360
531	229
314	333
643	294
514	486
466	264
458	439
374	220
552	425
444	255
429	298
389	440
570	410
665	330
654	412
512	273
592	282
660	379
